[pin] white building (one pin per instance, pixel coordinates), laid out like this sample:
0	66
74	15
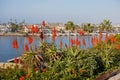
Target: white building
5	28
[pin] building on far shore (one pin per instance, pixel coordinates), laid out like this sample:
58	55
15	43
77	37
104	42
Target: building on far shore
116	28
5	28
28	28
60	27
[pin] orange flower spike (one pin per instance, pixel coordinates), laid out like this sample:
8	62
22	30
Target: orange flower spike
61	44
97	41
54	31
115	40
71	41
33	29
77	42
111	38
81	71
30	40
26	48
21	78
53	34
118	47
106	38
43	23
36	29
73	72
84	42
15	44
81	32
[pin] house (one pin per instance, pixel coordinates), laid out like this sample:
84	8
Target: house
28	28
5	28
60	27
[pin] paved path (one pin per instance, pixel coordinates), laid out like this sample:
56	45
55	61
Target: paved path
116	77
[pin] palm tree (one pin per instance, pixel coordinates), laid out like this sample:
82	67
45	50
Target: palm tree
70	26
105	25
88	27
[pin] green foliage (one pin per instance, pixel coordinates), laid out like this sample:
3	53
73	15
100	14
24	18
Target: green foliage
71	63
87	27
70	26
105	25
13	27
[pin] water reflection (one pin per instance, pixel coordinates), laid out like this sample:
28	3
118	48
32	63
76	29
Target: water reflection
7	52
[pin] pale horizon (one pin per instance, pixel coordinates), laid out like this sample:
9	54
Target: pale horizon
78	11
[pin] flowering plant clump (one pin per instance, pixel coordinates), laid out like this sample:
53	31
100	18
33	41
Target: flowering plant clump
47	62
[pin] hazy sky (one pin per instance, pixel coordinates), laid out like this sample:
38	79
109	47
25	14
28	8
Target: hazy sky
78	11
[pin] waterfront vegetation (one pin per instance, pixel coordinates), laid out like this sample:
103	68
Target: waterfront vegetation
72	62
21	27
47	62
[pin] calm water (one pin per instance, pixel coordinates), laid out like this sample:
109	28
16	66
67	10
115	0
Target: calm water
7	52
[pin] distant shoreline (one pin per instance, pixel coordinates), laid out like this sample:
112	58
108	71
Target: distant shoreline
30	34
17	34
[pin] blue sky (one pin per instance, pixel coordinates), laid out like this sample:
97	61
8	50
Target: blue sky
78	11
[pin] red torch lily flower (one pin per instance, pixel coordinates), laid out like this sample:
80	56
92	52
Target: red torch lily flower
77	42
111	38
21	78
30	40
53	34
61	44
71	41
26	48
106	38
81	32
43	23
15	44
118	47
36	29
84	42
94	41
33	29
